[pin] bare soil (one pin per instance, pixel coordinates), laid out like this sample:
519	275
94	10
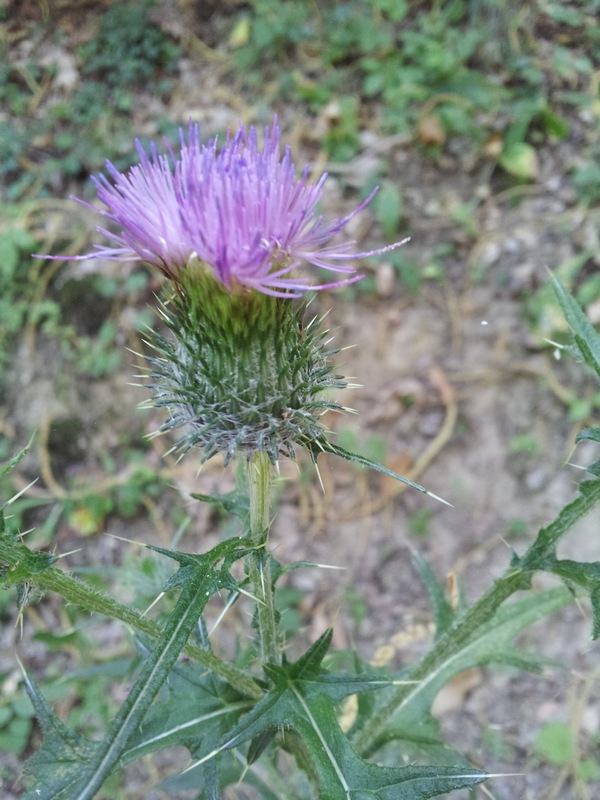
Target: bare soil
457	381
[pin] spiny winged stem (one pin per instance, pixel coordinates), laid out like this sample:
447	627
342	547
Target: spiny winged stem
518	577
259	475
447	645
15	555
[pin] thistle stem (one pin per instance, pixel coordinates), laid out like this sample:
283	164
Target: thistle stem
14	555
539	556
258	474
368	738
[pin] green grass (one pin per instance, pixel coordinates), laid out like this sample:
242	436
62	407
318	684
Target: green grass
68	134
434	70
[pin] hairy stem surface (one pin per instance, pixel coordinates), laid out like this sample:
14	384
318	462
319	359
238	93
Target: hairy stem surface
259	475
75	591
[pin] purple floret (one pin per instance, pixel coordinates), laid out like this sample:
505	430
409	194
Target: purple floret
237	209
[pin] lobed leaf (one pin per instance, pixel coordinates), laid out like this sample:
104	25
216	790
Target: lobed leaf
70	768
490	643
302	699
194	714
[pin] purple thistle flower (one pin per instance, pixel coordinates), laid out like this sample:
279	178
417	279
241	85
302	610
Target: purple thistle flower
238	209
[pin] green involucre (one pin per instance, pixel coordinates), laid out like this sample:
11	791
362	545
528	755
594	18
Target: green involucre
241	372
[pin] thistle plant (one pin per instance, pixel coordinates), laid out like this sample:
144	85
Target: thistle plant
243	372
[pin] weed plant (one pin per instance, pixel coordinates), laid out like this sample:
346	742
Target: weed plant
502	85
242	375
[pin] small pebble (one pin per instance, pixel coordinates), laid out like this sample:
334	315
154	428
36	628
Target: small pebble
385	279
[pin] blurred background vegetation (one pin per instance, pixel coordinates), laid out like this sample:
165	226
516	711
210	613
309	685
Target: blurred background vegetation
500	99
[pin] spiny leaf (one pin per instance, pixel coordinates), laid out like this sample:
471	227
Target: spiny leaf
324	446
278	569
306	707
341	773
450	650
586	338
77	592
442	610
543	550
235	502
196	713
190	562
542	553
339	686
227	552
63	752
309	665
491	643
12	462
53	775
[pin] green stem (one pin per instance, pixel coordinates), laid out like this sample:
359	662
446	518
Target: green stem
541	555
51	579
258	475
447	645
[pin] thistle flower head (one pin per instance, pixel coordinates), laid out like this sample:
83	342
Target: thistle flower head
238	210
229	226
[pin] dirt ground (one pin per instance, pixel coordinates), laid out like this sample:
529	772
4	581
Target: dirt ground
458	383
